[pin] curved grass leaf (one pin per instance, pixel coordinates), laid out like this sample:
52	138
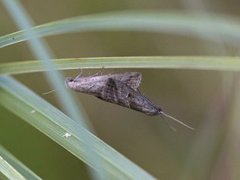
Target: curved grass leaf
12	168
42	52
63	130
225	27
175	62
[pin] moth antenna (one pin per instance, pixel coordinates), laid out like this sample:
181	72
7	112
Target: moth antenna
167	123
48	92
176	120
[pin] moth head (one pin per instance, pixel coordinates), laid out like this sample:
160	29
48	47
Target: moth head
68	80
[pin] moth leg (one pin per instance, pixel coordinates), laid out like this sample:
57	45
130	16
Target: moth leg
96	74
78	76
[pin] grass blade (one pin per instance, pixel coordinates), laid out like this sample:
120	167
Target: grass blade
170	22
52	122
42	52
175	62
12	168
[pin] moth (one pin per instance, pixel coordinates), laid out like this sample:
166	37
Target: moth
121	89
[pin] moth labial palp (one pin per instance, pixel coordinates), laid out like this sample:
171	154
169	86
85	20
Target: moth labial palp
121	89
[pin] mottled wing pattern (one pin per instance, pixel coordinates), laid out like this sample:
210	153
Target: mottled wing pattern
131	79
115	92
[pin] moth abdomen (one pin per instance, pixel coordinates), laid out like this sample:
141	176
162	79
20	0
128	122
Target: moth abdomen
141	103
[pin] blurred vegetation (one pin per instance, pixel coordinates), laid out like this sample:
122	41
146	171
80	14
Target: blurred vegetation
207	100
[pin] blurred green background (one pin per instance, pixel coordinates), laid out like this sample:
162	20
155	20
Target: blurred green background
206	100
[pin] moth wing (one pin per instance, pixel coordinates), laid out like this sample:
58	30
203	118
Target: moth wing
131	79
115	92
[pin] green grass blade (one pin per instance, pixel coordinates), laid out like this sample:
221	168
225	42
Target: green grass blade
12	168
173	62
170	22
42	52
53	123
